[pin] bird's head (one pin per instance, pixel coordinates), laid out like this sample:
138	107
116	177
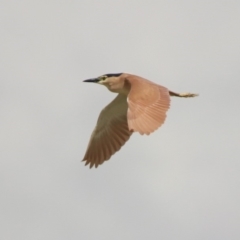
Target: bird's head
105	79
115	82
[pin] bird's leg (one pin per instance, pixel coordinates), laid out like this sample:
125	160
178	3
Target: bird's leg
185	95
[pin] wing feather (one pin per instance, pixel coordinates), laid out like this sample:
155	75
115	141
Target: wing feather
147	105
110	133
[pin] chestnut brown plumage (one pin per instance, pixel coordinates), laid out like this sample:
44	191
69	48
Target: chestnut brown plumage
140	106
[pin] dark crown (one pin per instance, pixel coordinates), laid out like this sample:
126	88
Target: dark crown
113	74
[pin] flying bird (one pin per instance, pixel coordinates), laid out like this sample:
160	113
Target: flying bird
140	106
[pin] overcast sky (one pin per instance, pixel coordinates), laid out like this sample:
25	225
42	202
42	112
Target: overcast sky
180	183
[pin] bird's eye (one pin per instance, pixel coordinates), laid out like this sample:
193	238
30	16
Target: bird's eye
103	77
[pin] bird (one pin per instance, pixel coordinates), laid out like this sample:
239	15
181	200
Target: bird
140	106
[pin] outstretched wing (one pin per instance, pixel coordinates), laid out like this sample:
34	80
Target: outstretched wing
147	105
110	133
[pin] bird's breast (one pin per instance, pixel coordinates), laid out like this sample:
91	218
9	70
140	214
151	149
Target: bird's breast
119	88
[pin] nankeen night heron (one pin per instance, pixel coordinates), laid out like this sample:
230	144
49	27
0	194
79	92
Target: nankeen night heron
140	106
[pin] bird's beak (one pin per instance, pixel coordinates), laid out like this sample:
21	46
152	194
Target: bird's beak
94	80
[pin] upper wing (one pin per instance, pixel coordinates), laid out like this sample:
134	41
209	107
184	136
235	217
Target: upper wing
110	134
148	104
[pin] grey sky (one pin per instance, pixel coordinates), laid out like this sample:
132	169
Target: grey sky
181	182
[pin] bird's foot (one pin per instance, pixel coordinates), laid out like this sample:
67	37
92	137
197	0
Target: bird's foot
187	95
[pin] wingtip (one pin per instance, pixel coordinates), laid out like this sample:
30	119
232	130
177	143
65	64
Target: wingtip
91	164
